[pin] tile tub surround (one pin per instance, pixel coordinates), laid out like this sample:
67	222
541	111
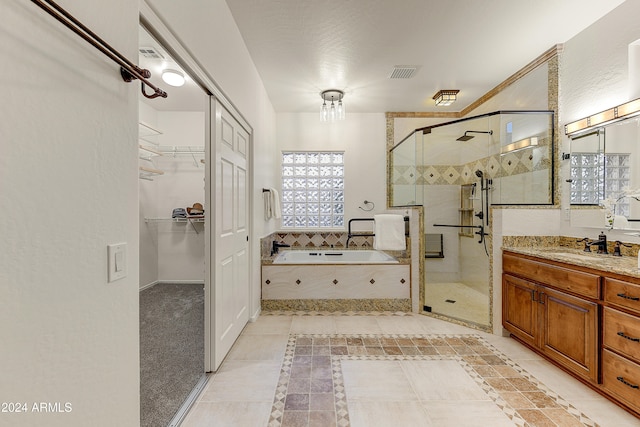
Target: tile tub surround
323	240
336	240
323	376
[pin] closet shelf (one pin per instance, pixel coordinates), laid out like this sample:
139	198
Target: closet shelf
149	173
187	219
181	149
148	133
191	220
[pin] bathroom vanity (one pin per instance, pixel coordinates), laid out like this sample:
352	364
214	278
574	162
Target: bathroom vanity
580	311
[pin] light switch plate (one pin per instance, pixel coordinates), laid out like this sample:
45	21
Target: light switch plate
117	261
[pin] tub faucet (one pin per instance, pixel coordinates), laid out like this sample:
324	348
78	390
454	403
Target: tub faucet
275	246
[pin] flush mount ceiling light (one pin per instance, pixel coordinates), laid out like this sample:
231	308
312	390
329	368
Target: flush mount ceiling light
335	110
622	111
445	97
173	77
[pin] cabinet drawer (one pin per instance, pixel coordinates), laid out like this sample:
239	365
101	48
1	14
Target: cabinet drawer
622	333
621	293
621	378
582	283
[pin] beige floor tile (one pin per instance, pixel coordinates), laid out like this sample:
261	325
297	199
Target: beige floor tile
269	325
442	380
605	413
357	325
466	414
376	380
436	326
228	414
250	381
388	414
401	325
313	325
259	347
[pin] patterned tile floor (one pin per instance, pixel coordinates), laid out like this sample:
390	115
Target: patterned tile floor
311	389
387	370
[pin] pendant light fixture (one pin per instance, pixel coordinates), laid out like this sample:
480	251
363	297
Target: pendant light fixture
335	110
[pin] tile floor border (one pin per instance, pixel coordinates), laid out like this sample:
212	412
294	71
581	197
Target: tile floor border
471	351
334	313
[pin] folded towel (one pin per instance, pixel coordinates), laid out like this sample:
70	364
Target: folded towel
266	198
389	232
276	212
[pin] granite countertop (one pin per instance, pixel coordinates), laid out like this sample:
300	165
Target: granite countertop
626	265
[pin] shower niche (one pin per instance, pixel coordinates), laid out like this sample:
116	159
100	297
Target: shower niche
457	171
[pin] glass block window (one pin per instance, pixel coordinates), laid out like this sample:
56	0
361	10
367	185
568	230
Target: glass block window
591	182
313	189
616	168
587	179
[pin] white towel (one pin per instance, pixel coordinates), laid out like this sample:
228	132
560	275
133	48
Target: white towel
275	203
389	230
266	198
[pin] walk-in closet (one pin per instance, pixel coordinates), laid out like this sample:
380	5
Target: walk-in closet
172	240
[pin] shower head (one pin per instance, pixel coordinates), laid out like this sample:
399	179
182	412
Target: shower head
479	173
466	137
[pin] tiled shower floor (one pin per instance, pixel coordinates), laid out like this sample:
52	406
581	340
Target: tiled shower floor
457	300
390	370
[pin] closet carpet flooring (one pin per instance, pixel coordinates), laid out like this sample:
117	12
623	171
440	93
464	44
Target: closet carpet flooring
171	349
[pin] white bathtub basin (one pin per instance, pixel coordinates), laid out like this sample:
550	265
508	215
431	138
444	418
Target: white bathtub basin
334	257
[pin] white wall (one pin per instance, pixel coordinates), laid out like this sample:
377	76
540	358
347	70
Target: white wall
207	28
594	77
69	186
361	136
180	245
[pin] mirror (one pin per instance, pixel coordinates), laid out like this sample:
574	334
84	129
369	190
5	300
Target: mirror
605	177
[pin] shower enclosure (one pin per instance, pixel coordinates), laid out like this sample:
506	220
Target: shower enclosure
458	171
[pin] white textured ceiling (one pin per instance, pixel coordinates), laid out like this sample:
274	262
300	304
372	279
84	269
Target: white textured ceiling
301	47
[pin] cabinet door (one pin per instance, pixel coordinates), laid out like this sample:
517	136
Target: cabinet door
569	332
519	308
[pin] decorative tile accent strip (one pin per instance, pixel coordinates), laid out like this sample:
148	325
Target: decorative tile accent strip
333	305
311	385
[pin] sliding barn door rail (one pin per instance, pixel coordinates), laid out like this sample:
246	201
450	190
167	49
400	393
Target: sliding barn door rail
128	70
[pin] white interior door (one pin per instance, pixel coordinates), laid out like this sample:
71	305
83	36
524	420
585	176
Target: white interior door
230	232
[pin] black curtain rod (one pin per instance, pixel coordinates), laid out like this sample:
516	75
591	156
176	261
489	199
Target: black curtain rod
128	70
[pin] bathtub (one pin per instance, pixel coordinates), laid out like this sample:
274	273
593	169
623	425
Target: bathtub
334	257
332	275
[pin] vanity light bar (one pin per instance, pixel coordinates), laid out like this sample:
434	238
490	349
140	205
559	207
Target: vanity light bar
623	111
519	145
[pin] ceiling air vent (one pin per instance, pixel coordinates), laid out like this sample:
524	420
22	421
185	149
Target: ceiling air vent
150	53
403	72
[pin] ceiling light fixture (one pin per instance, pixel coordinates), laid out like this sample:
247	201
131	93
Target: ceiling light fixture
173	77
445	97
622	111
332	112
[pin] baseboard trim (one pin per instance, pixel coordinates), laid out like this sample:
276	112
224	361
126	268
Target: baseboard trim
148	285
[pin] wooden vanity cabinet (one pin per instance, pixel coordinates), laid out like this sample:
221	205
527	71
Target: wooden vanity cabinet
621	341
545	316
584	319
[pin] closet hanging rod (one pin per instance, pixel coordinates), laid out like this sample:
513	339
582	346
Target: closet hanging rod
128	70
